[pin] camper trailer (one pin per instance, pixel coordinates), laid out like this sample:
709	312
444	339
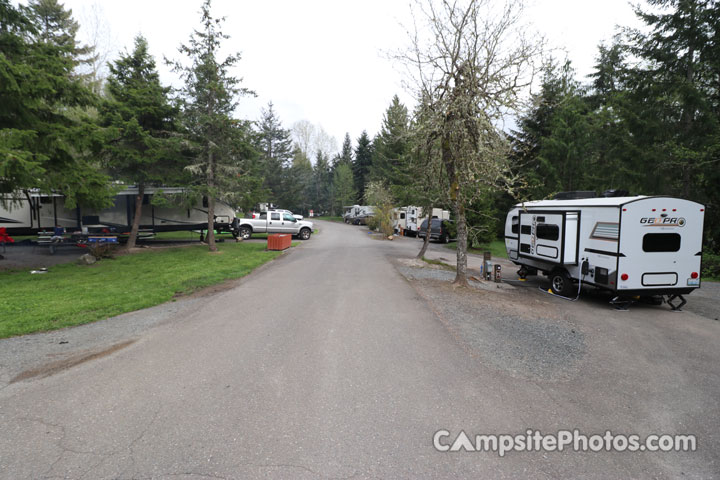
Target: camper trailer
32	212
357	214
414	218
632	246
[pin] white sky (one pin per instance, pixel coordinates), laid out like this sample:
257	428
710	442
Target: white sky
322	60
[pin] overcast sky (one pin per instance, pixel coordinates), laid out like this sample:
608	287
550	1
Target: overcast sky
323	60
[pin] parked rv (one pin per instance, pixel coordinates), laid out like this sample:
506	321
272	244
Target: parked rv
357	214
631	246
408	219
274	221
32	212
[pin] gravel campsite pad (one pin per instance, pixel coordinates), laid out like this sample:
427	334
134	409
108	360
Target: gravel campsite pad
515	341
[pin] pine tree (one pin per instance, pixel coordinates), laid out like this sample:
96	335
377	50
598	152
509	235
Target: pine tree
210	97
322	182
391	145
343	186
44	130
141	144
346	154
275	145
362	164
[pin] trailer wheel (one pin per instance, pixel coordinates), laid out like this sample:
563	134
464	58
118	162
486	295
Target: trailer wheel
561	283
244	233
305	234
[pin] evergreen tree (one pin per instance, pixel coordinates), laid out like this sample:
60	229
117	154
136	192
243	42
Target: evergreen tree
362	164
343	186
141	144
389	162
210	97
322	180
675	89
44	131
346	154
275	145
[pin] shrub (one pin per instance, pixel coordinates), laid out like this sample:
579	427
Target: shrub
710	266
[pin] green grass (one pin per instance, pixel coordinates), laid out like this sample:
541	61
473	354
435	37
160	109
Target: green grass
496	247
72	294
327	217
437	262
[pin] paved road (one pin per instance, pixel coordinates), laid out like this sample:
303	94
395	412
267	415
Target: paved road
326	365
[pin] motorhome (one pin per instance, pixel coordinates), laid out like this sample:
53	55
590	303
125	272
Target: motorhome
632	245
33	211
408	219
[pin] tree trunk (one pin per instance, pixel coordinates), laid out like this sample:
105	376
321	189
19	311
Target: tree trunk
461	276
210	238
459	207
136	219
426	241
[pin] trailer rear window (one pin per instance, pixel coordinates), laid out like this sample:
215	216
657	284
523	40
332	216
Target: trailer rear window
515	225
661	242
547	231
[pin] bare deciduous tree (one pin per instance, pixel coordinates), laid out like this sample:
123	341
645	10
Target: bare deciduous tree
470	63
311	139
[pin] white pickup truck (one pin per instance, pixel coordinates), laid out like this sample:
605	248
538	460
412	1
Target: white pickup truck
274	221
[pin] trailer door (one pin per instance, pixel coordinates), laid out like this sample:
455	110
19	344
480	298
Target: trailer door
549	236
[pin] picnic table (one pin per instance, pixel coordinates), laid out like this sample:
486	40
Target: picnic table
76	239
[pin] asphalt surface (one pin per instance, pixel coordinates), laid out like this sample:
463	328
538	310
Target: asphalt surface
331	363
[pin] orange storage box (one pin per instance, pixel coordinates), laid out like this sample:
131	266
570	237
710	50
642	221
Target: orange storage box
279	241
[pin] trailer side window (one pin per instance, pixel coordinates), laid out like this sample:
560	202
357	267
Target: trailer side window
661	242
514	222
402	216
526	230
548	231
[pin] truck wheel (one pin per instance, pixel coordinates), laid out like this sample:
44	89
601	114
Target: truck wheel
561	284
305	234
244	233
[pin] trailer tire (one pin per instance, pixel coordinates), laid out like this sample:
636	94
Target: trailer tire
244	232
305	234
560	283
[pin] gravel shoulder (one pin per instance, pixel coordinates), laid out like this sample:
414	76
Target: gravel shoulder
646	370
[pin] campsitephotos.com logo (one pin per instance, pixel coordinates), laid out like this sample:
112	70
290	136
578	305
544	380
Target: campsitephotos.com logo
662	222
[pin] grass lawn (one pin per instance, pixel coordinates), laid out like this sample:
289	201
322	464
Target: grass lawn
327	217
72	294
496	247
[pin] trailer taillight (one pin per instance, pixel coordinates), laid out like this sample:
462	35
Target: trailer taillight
624	277
694	275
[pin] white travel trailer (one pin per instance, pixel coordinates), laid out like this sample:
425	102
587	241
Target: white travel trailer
357	214
632	246
31	212
413	218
